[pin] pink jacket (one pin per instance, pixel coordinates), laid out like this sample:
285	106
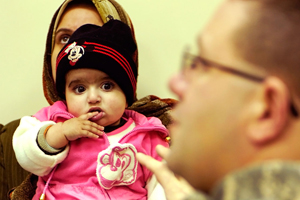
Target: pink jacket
104	168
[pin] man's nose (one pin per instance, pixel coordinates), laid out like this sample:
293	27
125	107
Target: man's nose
178	84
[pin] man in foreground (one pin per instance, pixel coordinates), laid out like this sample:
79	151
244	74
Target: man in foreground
237	127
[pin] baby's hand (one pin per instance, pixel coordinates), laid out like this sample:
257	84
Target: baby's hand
81	127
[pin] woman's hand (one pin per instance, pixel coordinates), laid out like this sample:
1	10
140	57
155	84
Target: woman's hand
175	187
60	134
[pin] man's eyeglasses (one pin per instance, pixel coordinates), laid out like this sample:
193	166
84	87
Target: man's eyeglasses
191	62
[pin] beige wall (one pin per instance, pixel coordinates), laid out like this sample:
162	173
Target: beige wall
163	28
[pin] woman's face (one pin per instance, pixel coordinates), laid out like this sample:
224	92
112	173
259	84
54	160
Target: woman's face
73	18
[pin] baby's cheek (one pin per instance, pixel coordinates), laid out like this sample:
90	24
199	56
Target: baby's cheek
75	109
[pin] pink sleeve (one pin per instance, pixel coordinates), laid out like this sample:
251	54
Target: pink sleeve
57	112
149	142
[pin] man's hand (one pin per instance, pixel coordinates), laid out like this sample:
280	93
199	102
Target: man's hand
60	134
175	187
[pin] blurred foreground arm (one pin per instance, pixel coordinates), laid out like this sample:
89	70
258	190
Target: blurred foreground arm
175	187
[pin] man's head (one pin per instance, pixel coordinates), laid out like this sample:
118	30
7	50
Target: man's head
226	120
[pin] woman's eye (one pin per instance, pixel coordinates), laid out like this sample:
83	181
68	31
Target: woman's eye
64	39
107	86
79	89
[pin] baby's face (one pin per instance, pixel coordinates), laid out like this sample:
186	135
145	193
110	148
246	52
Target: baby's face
90	90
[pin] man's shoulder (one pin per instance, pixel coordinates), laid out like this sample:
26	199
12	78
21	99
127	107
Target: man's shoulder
267	181
198	196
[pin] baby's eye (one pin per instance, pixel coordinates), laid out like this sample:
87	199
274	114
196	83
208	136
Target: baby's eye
79	89
107	86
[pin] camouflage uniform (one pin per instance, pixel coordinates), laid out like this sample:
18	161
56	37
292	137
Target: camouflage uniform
272	180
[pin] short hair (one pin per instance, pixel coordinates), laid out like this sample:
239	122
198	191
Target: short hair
270	39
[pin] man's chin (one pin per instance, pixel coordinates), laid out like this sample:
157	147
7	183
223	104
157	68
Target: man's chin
173	161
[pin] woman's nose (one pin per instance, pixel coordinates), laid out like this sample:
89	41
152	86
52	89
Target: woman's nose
178	84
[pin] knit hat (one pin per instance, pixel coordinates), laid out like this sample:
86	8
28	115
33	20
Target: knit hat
105	9
108	48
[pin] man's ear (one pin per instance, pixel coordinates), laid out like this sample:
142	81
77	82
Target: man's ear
273	112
